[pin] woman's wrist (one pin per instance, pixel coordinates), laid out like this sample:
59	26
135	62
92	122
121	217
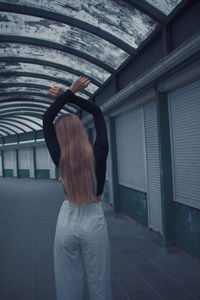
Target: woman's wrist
72	90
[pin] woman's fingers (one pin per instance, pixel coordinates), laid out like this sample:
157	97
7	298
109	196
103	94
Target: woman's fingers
55	91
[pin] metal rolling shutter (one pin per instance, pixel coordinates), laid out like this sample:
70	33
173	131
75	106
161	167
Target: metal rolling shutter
42	158
8	159
24	159
184	106
131	150
153	165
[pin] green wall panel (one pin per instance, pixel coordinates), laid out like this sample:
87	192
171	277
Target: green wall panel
42	174
23	173
134	204
188	229
8	172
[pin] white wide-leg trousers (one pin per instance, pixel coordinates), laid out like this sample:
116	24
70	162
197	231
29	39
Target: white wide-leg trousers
81	242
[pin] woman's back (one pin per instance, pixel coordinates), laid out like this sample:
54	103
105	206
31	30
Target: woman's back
100	147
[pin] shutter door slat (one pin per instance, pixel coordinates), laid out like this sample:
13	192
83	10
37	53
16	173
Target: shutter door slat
184	106
24	160
130	150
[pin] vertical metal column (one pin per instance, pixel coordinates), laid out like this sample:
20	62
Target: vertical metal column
2	162
168	211
115	185
17	163
34	162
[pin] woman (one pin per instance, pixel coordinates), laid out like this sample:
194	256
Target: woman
81	237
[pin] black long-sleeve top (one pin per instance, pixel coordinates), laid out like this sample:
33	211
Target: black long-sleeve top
100	147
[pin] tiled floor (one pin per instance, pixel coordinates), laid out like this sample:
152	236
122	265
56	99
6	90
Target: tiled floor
141	268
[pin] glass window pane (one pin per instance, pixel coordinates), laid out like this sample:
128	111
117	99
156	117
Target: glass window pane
16	121
165	6
30	118
38	69
49	55
7	130
114	16
29	26
27	80
26	104
12	124
30	90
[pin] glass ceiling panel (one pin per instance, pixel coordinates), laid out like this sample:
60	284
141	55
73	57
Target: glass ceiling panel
28	89
7	130
165	6
21	89
25	97
26	67
30	118
12	126
22	108
22	103
13	104
23	79
15	121
29	26
114	16
49	55
23	111
31	99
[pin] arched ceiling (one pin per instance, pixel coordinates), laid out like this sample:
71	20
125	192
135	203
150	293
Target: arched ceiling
52	42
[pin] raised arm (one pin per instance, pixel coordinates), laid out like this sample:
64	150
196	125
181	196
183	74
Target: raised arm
100	126
48	125
101	141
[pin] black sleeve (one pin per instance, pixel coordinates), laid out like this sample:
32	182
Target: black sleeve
48	125
101	142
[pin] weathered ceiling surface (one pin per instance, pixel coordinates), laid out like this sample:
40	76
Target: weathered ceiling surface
52	42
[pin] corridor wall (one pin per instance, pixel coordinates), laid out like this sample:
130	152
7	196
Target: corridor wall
184	109
25	161
9	163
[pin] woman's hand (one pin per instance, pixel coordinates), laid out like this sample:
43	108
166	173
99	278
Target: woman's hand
55	91
79	84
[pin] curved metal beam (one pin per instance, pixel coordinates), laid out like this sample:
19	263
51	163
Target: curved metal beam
6	132
5	120
42	76
56	46
38	114
6	127
33	106
48	64
24	84
15	118
148	9
32	100
61	18
23	93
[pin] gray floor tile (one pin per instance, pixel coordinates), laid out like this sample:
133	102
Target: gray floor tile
141	267
192	285
144	293
128	281
157	278
171	291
